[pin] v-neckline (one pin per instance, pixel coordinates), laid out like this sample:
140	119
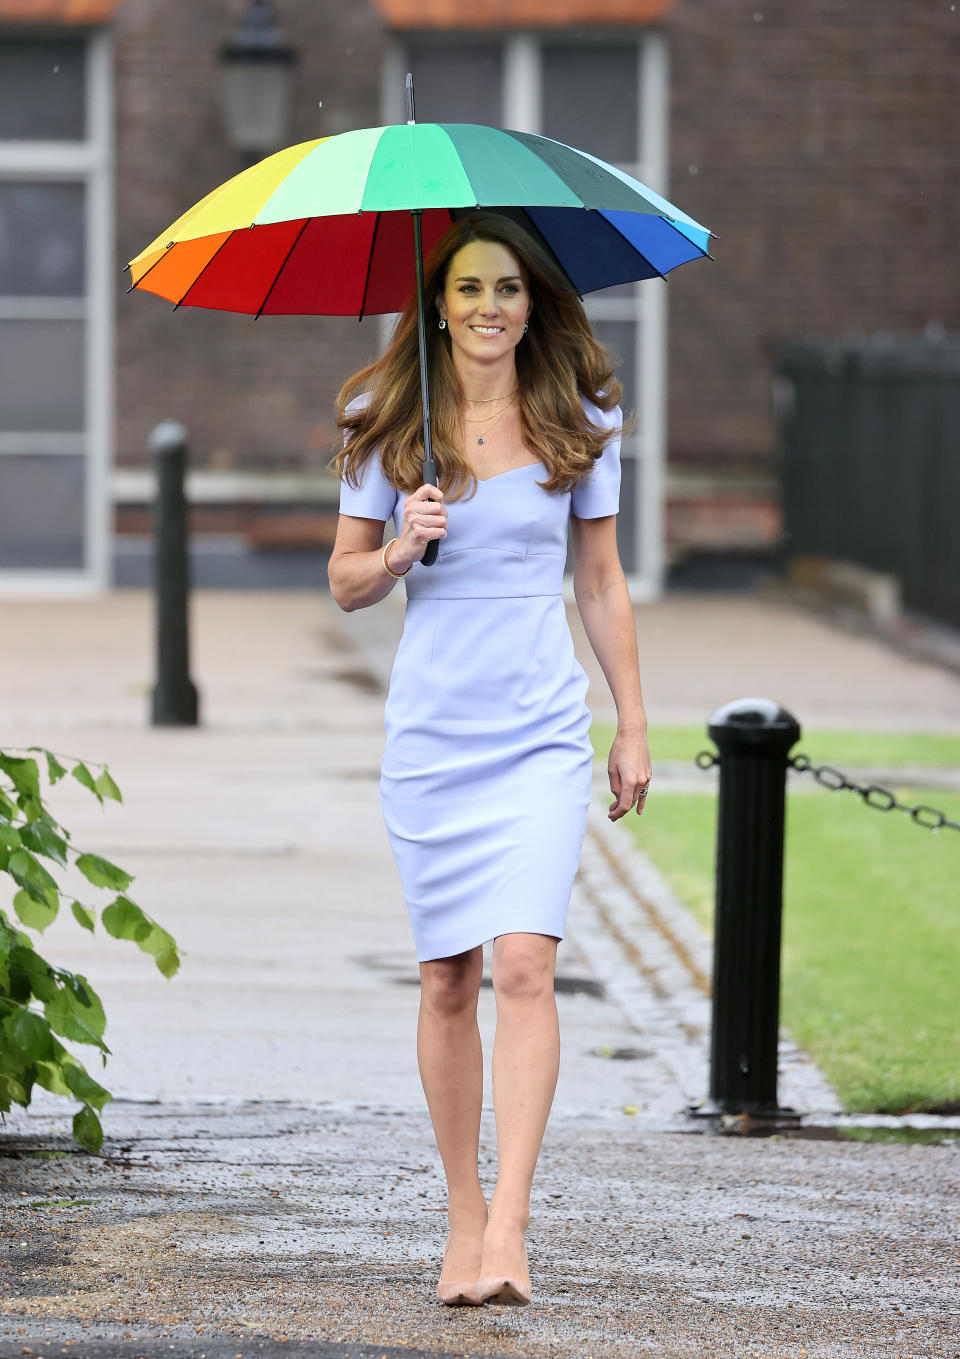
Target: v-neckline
507	470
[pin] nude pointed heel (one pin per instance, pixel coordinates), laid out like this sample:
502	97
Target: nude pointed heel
496	1289
457	1293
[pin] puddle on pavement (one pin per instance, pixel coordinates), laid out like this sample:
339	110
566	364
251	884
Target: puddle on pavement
733	1125
622	1054
847	1133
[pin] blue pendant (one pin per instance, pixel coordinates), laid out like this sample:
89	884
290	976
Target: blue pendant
479	441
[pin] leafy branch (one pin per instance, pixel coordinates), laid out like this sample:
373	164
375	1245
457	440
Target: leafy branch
30	1053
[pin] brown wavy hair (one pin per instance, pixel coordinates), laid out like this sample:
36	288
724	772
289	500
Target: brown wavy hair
558	360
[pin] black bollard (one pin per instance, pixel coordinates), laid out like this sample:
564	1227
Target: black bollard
754	737
174	695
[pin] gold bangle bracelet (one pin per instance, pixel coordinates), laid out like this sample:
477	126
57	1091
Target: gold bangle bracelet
383	558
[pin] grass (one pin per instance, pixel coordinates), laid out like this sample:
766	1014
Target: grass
824	745
871	926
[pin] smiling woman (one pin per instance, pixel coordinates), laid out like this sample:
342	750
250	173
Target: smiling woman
486	772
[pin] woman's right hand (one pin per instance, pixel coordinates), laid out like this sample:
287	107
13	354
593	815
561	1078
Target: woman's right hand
424	518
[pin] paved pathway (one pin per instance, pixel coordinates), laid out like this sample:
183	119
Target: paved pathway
268	1169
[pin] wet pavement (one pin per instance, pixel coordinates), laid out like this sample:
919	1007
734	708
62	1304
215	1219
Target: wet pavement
268	1183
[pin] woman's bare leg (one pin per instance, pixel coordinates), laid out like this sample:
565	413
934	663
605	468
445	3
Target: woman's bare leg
451	1068
526	1063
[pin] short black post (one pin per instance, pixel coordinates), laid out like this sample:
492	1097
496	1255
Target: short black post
174	695
754	737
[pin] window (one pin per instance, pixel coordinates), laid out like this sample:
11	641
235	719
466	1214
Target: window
54	347
606	93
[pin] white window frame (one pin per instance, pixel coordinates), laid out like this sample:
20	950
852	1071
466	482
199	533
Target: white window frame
91	161
522	107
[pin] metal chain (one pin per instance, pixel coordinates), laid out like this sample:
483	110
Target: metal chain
880	799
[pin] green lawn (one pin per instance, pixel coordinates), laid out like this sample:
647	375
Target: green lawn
871	929
824	745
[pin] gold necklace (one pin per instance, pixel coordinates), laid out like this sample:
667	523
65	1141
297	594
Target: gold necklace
485	400
481	437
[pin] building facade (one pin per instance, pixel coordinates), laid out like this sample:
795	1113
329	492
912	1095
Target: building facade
818	143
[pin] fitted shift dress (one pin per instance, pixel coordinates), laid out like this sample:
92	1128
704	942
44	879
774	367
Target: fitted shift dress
486	771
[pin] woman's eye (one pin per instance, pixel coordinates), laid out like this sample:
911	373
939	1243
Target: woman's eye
507	287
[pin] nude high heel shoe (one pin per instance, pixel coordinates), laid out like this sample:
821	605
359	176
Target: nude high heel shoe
499	1288
458	1293
496	1289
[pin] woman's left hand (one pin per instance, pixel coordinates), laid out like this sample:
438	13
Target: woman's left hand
629	771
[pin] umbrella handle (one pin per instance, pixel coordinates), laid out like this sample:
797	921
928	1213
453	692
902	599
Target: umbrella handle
430	479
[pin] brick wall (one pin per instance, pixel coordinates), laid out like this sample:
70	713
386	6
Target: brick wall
819	141
254	394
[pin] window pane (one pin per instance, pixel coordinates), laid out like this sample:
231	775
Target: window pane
41	376
42	239
590	98
42	511
42	90
620	340
457	82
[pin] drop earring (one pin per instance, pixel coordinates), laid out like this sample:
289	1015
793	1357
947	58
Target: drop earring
442	325
525	327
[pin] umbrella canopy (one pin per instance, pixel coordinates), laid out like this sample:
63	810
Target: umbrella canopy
323	227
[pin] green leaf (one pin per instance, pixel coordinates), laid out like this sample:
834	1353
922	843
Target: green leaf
50	1076
83	1085
7	809
85	915
34	909
168	962
9	835
158	940
26	869
106	785
13	1059
31	807
81	989
36	971
43	839
31	1032
102	873
55	770
71	1020
12	1091
87	1129
23	773
124	919
82	774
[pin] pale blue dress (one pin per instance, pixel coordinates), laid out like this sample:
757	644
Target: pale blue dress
486	770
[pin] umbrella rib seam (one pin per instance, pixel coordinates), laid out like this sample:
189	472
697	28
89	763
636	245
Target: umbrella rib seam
613	227
366	281
194	281
286	257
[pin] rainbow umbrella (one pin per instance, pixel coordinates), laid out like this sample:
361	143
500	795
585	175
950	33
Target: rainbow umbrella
322	228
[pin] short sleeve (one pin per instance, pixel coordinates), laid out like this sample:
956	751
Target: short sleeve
374	498
598	492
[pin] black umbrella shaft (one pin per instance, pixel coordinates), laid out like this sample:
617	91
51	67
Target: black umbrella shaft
429	467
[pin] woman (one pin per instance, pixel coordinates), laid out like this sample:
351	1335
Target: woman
485	778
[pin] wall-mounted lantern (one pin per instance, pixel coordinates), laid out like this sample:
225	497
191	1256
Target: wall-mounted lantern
257	68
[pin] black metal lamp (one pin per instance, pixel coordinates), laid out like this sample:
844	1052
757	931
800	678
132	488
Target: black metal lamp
256	68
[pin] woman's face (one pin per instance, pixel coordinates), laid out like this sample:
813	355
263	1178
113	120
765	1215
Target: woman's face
485	300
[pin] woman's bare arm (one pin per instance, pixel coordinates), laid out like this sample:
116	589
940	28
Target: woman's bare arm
355	570
603	599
